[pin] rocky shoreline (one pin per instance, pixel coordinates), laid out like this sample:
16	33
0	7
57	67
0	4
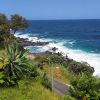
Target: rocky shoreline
26	42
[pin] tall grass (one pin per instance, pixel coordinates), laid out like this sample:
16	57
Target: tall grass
28	90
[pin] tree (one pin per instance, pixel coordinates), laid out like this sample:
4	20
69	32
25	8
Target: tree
4	24
5	36
18	23
14	24
85	87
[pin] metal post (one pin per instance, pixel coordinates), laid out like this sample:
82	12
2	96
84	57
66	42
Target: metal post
52	75
51	70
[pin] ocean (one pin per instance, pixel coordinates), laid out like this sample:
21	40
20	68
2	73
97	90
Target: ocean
79	39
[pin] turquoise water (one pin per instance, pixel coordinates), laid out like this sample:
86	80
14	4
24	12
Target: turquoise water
84	34
79	39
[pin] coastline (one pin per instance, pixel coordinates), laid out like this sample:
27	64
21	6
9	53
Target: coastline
26	42
76	55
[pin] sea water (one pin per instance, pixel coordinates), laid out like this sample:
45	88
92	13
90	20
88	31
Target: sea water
79	39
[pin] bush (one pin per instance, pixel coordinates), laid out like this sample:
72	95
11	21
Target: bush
85	87
17	66
33	72
46	83
78	68
69	98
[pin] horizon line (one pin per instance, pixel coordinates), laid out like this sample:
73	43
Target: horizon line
62	19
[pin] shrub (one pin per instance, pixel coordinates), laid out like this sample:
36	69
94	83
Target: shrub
33	72
17	66
69	98
78	68
85	87
45	82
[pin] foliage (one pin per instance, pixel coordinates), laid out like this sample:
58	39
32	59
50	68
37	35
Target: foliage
3	59
4	24
17	65
1	78
69	98
50	58
71	65
7	26
28	90
85	88
54	58
78	68
68	76
4	30
45	82
18	23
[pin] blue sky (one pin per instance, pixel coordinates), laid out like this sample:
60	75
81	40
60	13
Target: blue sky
52	9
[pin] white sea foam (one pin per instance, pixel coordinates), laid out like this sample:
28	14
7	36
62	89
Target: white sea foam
81	56
32	38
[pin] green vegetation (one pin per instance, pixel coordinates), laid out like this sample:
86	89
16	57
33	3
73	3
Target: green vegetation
15	66
69	98
9	27
28	90
73	66
18	23
59	71
46	82
85	87
18	73
28	78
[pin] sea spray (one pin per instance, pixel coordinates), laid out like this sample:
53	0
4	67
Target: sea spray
78	55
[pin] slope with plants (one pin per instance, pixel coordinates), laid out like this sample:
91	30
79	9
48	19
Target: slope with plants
22	78
18	74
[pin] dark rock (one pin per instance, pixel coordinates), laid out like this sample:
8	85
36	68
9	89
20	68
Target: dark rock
26	42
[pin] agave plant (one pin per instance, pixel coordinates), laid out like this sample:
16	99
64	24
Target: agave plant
17	64
3	60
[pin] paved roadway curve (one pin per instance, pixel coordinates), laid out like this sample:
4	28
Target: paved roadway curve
60	88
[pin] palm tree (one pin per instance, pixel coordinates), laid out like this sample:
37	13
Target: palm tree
17	63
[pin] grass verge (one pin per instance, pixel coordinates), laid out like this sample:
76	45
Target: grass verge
28	90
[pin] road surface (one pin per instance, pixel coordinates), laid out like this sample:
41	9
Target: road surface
60	88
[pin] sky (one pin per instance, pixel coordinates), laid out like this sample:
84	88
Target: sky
52	9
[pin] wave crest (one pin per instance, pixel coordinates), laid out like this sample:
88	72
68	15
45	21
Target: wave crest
79	55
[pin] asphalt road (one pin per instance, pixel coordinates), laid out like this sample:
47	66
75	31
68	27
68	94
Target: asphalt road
60	88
